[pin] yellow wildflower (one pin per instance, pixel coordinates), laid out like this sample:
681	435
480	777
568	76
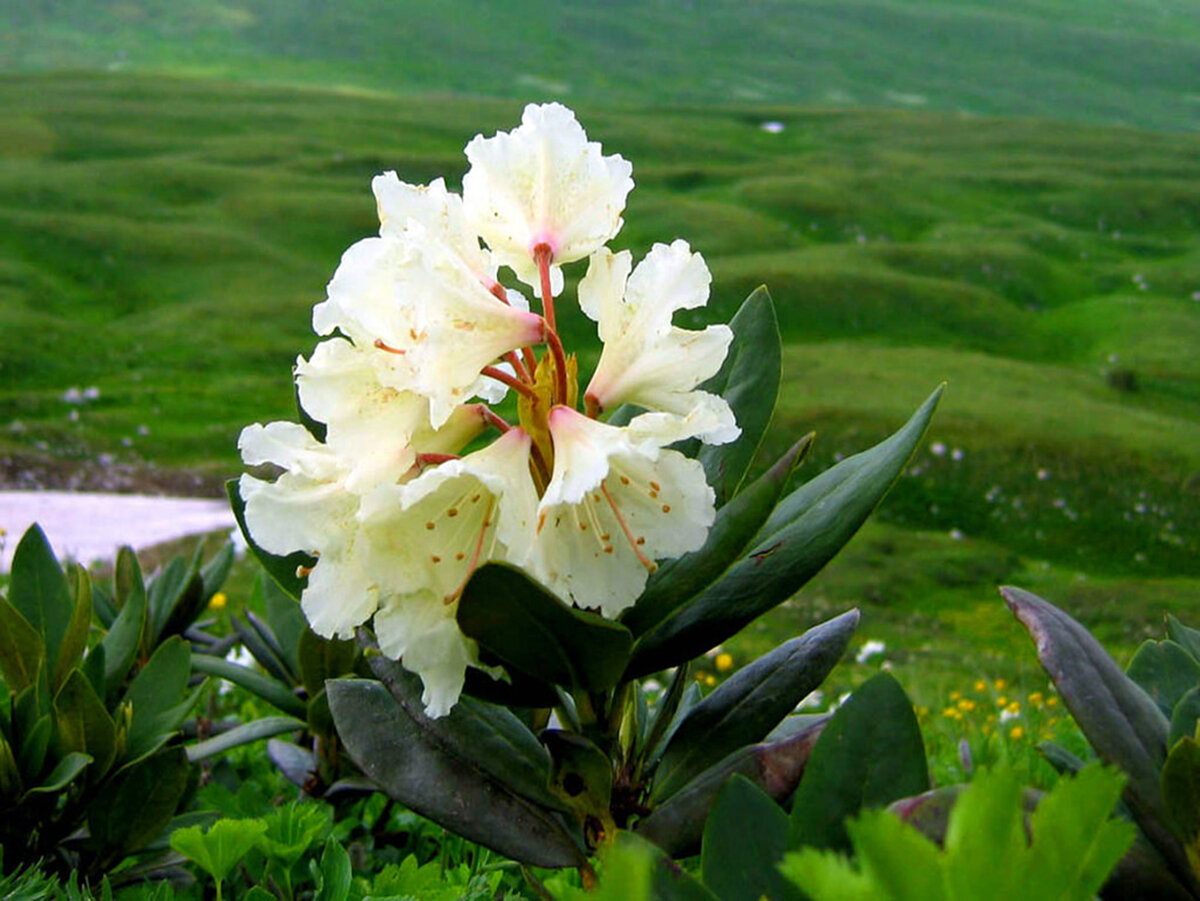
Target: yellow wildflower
1052	701
1036	699
966	704
999	685
710	680
1016	733
955	695
1002	701
1014	708
724	662
980	685
218	601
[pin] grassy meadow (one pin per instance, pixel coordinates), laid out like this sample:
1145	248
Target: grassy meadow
164	239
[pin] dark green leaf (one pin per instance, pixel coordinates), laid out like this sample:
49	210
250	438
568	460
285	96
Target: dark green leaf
163	590
1165	671
284	617
487	737
736	524
84	724
284	570
678	825
806	530
247	733
581	777
75	637
410	763
527	627
138	803
744	841
31	755
324	658
1122	723
123	639
156	694
38	591
748	705
188	605
870	754
262	651
270	690
1184	717
63	774
93	667
1183	635
214	573
1181	790
22	651
663	718
296	763
1060	758
749	381
929	812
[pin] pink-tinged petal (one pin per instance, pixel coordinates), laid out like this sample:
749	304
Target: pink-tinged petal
544	183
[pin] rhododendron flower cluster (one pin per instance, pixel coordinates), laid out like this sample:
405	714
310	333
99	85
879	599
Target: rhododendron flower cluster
422	339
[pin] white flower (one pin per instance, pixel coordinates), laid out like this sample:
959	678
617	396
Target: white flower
544	183
309	509
616	502
646	360
376	429
428	536
425	313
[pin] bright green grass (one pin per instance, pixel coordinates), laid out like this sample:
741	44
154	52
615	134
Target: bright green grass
1108	61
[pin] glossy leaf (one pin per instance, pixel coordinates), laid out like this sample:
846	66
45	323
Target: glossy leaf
748	705
1185	636
806	530
261	650
870	754
744	841
35	742
63	774
186	607
284	617
735	526
270	690
84	723
22	650
138	803
1184	717
1121	722
123	639
1165	671
677	825
284	570
156	694
74	642
749	381
413	766
527	627
335	871
214	573
324	658
1181	792
296	763
487	737
38	590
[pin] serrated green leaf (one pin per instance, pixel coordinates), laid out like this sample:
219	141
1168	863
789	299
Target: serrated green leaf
292	830
1165	671
870	754
749	381
38	590
806	530
527	627
22	650
735	526
744	841
284	570
218	850
748	705
409	762
270	690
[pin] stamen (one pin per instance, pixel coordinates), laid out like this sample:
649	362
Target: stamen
435	459
542	254
511	380
634	543
487	521
392	350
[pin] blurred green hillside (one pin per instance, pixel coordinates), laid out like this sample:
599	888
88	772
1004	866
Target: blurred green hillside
1114	61
164	241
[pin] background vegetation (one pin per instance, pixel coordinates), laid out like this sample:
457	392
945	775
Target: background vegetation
167	220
